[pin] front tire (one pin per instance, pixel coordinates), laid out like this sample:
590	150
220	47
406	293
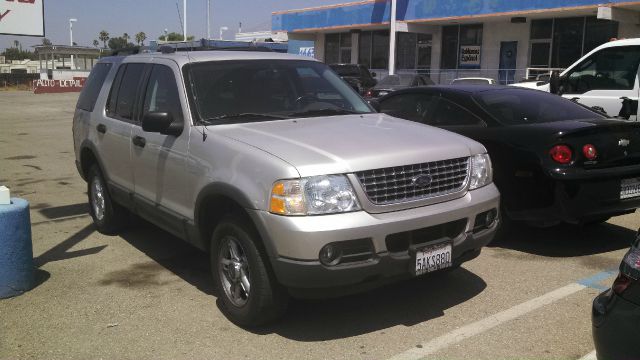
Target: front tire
248	292
108	217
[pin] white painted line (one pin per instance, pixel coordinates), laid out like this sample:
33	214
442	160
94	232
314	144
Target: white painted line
473	329
589	356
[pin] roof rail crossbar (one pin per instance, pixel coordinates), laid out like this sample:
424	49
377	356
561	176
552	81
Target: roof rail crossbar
126	51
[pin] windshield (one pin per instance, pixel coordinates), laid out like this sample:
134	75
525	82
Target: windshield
346	70
523	106
394	80
470	82
262	90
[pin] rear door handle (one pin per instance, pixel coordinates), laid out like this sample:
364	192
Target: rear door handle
139	141
101	128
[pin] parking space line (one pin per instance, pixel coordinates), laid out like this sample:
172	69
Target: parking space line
589	356
488	323
596	280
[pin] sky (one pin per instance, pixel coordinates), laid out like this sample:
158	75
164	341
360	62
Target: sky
152	17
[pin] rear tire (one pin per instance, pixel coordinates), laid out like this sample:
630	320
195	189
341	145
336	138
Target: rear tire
249	294
108	217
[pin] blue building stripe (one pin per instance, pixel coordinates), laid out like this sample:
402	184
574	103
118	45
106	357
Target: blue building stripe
379	11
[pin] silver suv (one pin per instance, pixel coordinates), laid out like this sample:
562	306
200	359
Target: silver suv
283	173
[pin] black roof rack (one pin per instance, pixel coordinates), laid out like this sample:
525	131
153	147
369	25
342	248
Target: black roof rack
215	48
126	51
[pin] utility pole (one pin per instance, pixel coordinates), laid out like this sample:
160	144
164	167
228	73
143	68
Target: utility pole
392	39
184	10
71	21
208	19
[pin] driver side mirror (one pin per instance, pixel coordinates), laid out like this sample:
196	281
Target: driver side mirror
161	122
554	83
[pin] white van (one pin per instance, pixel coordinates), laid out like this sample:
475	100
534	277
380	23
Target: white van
605	79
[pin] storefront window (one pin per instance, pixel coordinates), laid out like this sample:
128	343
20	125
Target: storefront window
380	50
567	41
364	49
598	32
424	52
332	48
406	50
345	48
558	43
461	45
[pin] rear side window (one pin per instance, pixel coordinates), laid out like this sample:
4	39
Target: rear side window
412	106
449	113
92	86
122	102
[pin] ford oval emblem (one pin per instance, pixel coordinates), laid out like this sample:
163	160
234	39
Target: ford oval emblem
422	180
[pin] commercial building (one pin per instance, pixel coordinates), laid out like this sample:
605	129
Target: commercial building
507	40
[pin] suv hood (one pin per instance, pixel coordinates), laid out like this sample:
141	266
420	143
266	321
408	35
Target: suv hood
350	143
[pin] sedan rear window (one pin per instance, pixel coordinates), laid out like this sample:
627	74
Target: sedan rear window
522	106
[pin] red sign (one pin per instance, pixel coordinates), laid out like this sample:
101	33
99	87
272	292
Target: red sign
46	86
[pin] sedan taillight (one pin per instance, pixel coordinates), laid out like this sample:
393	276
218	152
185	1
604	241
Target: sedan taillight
561	154
629	270
590	152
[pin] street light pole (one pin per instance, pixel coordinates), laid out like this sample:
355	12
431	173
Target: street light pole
184	10
222	29
392	39
208	19
71	21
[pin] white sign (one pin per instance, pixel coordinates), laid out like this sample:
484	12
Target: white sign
22	17
402	26
307	51
470	56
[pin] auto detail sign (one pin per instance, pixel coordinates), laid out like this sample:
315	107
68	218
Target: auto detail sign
22	17
469	57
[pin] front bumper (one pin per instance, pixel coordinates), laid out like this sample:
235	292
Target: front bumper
295	242
616	327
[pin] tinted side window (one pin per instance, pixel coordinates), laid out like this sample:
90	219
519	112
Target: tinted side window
121	103
92	86
162	93
608	69
414	107
450	114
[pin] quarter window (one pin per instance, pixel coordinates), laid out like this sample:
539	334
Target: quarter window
449	113
89	95
414	107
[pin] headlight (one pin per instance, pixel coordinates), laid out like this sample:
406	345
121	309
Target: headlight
481	171
313	196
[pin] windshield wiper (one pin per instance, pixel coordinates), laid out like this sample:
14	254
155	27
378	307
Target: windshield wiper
326	111
248	115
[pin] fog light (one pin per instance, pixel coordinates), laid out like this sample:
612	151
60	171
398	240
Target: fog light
491	217
330	255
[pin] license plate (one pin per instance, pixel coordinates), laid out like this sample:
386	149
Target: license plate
433	258
629	188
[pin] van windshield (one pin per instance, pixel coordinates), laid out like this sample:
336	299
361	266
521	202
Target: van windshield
263	90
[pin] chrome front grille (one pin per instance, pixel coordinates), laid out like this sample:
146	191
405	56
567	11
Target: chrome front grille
415	182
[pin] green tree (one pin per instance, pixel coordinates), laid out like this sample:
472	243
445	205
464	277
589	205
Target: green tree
140	38
119	43
46	42
15	53
104	37
126	37
174	36
96	43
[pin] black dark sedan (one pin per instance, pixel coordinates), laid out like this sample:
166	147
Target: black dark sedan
358	76
616	312
393	83
554	160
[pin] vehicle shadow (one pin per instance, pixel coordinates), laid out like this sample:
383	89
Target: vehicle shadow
566	240
405	303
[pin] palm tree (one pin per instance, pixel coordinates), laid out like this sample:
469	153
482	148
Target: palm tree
140	38
96	43
104	37
126	37
16	43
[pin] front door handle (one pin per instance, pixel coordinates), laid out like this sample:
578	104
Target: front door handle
101	128
139	141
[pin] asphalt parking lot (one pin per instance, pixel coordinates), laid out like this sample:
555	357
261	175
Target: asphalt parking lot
145	294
